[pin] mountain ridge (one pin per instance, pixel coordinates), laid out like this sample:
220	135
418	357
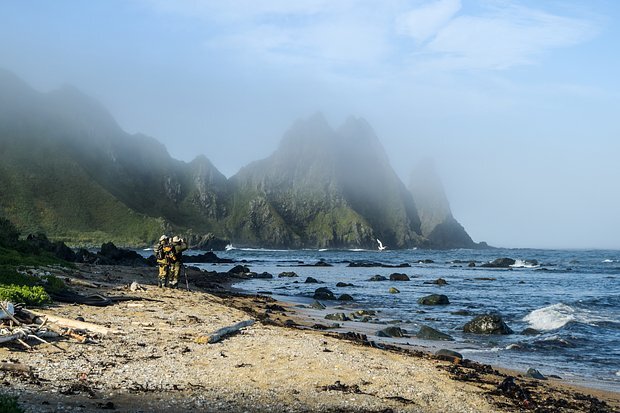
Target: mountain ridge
71	171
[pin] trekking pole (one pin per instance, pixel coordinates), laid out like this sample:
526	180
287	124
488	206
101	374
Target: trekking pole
185	273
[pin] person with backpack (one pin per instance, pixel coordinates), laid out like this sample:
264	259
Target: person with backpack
178	245
162	252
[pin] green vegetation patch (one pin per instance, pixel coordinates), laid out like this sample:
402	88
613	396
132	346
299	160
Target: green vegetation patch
8	404
23	294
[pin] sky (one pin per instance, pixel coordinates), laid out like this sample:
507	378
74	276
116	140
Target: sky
516	101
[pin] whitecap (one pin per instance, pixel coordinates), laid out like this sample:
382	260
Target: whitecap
229	247
551	317
524	264
608	260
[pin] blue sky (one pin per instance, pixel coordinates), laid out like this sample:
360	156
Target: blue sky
518	102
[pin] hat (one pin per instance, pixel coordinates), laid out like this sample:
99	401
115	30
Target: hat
176	238
163	237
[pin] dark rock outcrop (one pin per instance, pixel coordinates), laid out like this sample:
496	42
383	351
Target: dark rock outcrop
499	263
429	333
399	277
324	293
391	331
487	324
434	299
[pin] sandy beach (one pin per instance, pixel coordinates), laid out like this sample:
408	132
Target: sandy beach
157	358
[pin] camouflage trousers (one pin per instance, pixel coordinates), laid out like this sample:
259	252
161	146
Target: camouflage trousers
175	273
164	273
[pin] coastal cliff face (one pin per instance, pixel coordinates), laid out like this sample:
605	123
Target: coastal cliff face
68	169
438	226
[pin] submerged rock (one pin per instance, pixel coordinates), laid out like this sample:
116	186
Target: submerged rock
438	281
341	284
345	297
377	278
287	274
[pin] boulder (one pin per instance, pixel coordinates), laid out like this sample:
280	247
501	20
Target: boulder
345	297
449	355
487	324
287	274
377	278
429	333
119	256
324	293
434	299
393	290
239	269
317	305
337	317
535	374
392	331
207	258
399	277
341	284
262	275
499	263
311	280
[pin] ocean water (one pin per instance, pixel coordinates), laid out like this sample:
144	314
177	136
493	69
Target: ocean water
570	297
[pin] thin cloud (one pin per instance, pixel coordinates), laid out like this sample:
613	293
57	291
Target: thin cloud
424	22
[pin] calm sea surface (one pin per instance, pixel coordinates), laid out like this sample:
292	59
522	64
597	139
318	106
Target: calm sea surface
571	297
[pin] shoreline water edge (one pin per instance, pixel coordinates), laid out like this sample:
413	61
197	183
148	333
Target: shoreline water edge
157	357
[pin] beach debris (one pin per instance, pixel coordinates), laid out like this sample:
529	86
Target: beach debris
512	390
40	317
487	324
434	299
223	332
338	386
134	286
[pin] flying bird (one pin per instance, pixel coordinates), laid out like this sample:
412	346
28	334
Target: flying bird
381	246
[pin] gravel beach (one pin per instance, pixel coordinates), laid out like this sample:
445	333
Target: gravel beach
157	358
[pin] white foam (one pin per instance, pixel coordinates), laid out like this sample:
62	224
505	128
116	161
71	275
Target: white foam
551	317
229	247
523	264
608	260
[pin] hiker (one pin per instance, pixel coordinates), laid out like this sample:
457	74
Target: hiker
162	252
176	259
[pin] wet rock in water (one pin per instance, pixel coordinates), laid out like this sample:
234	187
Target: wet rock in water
377	278
317	305
471	264
207	258
399	277
499	263
319	263
449	355
429	333
438	281
426	261
392	331
311	280
530	332
461	312
337	317
487	324
434	299
341	284
287	274
324	293
345	297
393	290
362	313
535	374
239	269
262	275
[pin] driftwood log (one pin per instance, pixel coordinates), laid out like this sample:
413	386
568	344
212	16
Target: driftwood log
68	323
226	331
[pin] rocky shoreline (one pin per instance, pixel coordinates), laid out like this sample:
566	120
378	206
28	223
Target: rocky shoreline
158	358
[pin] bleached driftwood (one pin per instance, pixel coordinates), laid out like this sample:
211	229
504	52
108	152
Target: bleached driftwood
226	331
75	324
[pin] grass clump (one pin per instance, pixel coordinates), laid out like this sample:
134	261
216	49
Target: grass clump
8	404
34	296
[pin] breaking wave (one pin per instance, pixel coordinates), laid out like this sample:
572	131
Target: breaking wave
525	264
558	315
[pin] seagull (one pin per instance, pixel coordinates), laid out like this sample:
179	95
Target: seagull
381	246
